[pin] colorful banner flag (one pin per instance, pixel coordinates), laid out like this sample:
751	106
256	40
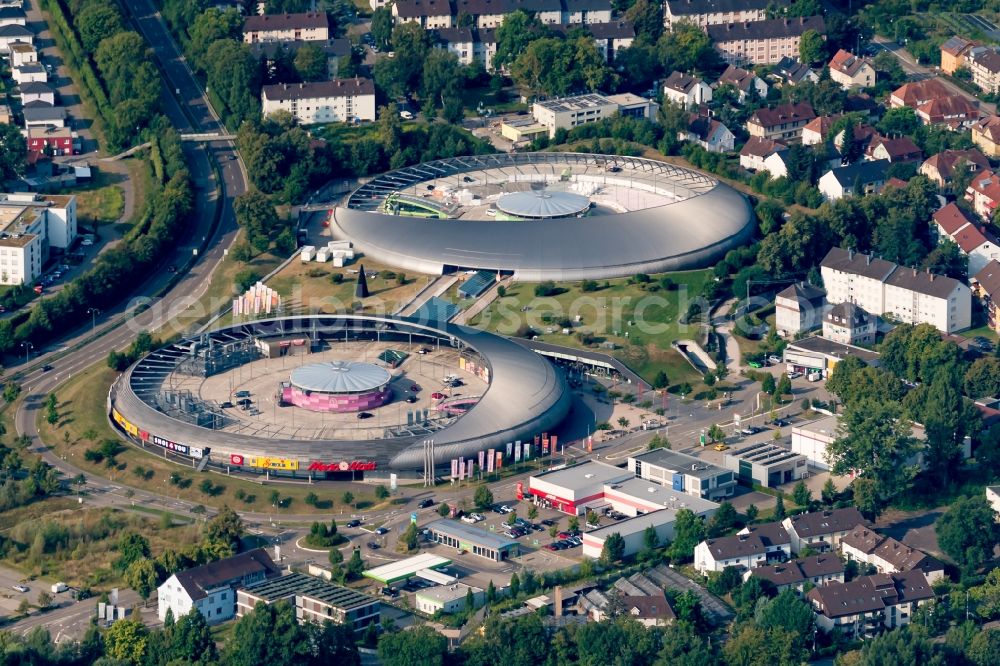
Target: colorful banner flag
527	450
489	462
461	469
590	443
545	445
454	468
552	442
517	451
469	472
482	454
499	461
509	448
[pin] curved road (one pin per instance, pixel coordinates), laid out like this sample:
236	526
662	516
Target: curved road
188	110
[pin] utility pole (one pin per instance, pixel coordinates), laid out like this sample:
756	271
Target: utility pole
93	312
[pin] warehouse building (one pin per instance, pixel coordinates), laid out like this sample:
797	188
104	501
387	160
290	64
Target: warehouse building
314	600
473	540
633	530
397	572
683	473
767	464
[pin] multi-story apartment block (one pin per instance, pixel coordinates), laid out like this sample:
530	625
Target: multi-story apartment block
888	555
782	123
763	42
30	225
211	588
979	245
986	285
570	112
867	606
794	575
953	53
314	599
430	14
340	100
798	308
984	63
586	11
489	14
821	530
307	26
906	295
754	546
704	13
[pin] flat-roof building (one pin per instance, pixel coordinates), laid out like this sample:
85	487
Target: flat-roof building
633	530
30	224
572	489
405	569
339	100
448	598
767	464
570	112
816	354
473	540
683	473
211	588
314	599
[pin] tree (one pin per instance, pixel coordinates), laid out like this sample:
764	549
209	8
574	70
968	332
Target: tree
382	27
483	499
613	549
311	499
444	510
875	440
355	566
125	640
752	512
257	217
381	492
716	433
982	379
131	547
96	22
347	498
513	36
784	386
311	63
779	508
269	634
900	121
421	646
11	389
410	538
660	381
767	385
532	512
683	645
812	48
491	593
515	585
906	645
142	577
948	259
44	600
984	648
689	531
987	596
687	47
226	529
723	520
829	492
968	532
191	640
801	494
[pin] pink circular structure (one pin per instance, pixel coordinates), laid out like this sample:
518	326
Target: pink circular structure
338	386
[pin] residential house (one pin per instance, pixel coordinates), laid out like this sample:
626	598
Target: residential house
585	11
448	598
816	132
29	73
762	42
944	166
50	140
798	308
14	34
821	530
756	150
649	610
704	13
983	193
986	135
900	149
634	106
850	71
849	324
754	546
815	570
22	54
888	555
211	588
993	497
12	16
781	123
686	90
36	91
776	164
746	82
305	26
986	285
490	13
340	100
984	63
916	93
904	294
789	71
708	133
868	605
44	116
430	14
979	245
954	111
858	179
333	49
953	53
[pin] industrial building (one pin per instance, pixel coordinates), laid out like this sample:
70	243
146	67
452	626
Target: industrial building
403	570
684	473
767	464
314	600
633	530
470	539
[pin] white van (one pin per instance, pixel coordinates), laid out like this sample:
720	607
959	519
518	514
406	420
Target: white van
815	376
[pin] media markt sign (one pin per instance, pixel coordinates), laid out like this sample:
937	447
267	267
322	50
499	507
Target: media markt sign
344	466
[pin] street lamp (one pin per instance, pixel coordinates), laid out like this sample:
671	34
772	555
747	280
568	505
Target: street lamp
93	312
27	350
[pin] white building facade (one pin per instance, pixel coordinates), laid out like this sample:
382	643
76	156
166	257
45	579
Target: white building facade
340	100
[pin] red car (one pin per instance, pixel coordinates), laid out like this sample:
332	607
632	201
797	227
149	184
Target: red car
438	396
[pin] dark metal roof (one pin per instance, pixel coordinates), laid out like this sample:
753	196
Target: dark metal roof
334	88
198	581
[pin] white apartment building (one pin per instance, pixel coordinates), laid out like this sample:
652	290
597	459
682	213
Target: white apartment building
904	294
798	308
31	224
868	605
704	13
821	530
340	100
754	546
430	14
888	555
211	588
686	90
14	34
307	26
22	54
448	598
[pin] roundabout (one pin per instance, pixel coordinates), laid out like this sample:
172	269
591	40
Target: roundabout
226	399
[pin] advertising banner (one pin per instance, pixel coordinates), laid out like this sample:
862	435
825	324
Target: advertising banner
392	482
517	451
482	456
344	466
499	461
527	450
469	471
509	447
236	459
454	468
489	461
264	462
520	490
552	442
545	445
461	469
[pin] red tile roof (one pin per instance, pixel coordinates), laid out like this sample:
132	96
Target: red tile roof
915	93
784	113
847	63
951	218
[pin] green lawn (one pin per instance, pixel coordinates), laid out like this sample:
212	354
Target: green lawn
101	201
641	322
984	331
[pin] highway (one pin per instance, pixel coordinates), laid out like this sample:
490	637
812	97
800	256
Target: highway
196	257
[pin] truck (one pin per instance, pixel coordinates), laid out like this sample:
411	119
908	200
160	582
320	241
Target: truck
59	587
307	253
